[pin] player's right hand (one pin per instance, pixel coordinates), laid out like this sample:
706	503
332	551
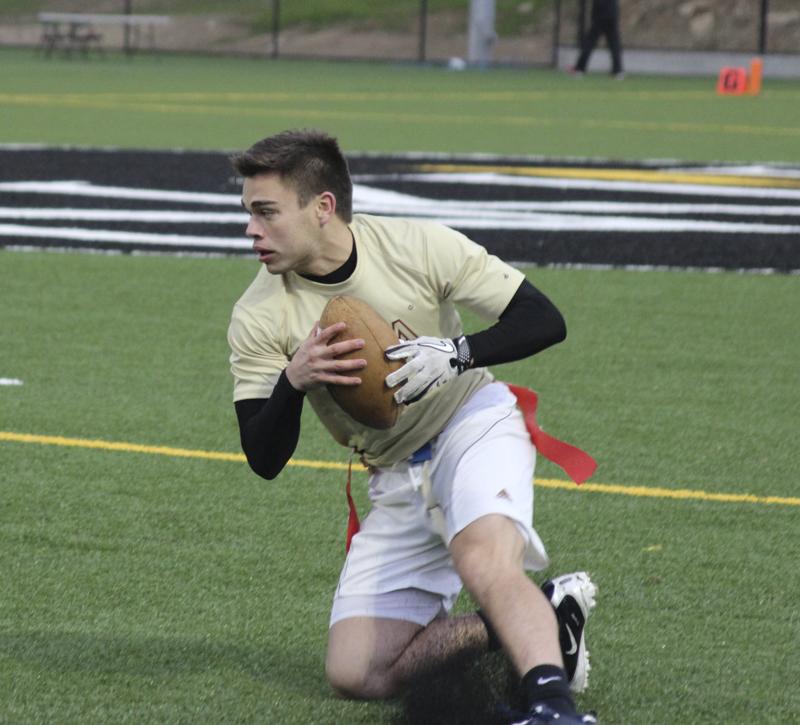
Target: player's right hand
317	363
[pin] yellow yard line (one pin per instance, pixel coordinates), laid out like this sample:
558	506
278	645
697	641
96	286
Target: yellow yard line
673	493
152	450
608	488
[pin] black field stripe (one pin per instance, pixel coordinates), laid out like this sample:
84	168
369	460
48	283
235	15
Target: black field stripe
542	211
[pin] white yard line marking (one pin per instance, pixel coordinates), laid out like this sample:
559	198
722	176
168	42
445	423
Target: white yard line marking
592	184
10	381
104	235
83	188
587	207
567	223
147	216
781	172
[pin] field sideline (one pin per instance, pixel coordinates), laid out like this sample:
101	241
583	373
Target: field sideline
150	577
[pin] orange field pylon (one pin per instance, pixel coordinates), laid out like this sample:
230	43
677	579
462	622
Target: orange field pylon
754	79
736	81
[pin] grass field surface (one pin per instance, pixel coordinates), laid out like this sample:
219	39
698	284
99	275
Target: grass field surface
152	587
157	580
186	102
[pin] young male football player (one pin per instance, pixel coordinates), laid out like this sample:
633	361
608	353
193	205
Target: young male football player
451	482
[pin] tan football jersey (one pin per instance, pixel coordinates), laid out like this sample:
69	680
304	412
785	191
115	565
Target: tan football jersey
413	273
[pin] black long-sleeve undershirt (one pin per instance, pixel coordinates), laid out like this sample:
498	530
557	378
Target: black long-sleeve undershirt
270	427
529	324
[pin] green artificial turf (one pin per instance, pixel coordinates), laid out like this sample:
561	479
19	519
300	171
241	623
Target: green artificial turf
212	103
141	587
151	588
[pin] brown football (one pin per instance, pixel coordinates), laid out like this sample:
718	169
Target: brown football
371	402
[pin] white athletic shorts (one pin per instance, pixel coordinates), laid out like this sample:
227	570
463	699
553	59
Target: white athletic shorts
399	566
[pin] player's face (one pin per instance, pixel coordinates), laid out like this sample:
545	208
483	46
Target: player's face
285	235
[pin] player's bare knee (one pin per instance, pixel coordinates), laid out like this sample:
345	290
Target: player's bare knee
344	682
351	683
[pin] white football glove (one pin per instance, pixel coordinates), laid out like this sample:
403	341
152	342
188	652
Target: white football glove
432	361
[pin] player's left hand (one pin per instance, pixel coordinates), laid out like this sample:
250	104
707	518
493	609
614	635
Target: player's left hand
432	361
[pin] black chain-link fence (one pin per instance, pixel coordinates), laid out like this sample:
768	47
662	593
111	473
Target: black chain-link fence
527	32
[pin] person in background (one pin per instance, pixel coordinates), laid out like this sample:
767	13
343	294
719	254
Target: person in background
605	22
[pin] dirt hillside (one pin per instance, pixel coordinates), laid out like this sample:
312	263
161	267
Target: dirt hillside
730	25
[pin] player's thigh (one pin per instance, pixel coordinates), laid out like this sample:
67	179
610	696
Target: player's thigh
361	652
484	467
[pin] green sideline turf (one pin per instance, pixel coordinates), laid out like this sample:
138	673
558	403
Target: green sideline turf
192	102
142	588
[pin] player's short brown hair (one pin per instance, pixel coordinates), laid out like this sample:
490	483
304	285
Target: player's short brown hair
309	161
